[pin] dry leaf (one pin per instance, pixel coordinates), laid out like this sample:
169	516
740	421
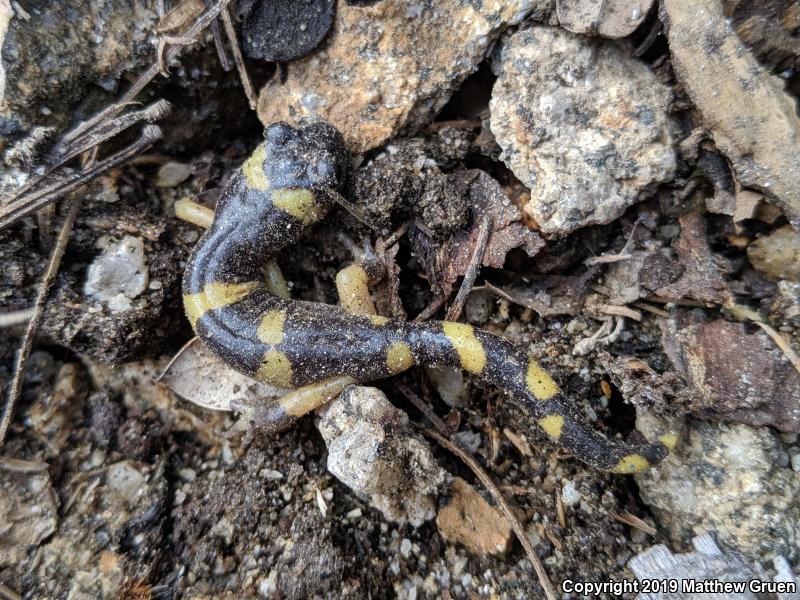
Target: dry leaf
198	376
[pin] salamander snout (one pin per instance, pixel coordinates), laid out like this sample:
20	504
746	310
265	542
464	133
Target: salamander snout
307	157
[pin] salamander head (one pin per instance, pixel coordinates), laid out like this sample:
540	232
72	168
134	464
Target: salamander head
312	157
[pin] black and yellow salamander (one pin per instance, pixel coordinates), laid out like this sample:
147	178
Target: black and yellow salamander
318	349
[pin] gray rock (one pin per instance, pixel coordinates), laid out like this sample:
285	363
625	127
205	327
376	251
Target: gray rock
390	65
119	274
728	480
581	123
373	450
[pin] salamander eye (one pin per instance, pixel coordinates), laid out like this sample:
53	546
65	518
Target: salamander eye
279	133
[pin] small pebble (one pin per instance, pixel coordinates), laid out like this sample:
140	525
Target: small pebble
405	547
570	495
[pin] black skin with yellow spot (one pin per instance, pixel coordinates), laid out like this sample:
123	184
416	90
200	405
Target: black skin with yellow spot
320	341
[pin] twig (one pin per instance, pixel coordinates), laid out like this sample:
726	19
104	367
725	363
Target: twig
431	309
651	309
620	311
424	408
16	317
216	32
37	199
230	31
606	258
36	319
635	522
16	465
474	266
519	530
392	239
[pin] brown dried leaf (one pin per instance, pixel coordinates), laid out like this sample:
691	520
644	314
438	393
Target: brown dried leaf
450	260
739	377
698	273
198	376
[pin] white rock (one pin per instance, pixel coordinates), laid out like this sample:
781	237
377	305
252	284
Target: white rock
570	495
120	270
582	124
373	450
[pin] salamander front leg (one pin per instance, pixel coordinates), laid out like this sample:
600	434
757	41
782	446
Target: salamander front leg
202	216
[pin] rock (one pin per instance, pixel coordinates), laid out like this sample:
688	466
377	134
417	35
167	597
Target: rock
389	65
469	520
55	54
55	416
570	495
172	174
707	562
751	118
119	274
284	30
611	19
582	124
777	254
373	450
729	481
738	377
29	507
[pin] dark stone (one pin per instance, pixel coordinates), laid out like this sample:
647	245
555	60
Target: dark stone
284	30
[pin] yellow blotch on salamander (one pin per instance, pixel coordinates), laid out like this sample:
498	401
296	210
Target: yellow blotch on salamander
215	295
670	440
633	463
270	330
253	170
470	351
552	425
540	384
399	358
300	203
378	320
275	369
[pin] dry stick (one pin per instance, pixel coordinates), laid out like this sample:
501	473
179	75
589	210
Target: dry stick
67	149
504	507
431	309
237	58
16	465
472	269
36	200
36	319
424	408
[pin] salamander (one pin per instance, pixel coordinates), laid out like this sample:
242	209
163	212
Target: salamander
318	349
